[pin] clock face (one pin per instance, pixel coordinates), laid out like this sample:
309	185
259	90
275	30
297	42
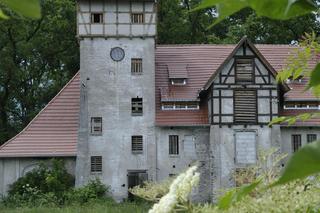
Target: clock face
117	54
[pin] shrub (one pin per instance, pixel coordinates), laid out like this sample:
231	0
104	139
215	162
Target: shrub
94	190
43	185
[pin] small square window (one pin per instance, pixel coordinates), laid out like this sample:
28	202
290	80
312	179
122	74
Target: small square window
96	163
137	106
173	145
296	142
311	138
96	18
137	144
137	18
96	125
136	66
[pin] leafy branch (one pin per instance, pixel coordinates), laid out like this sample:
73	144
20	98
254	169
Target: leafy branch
27	8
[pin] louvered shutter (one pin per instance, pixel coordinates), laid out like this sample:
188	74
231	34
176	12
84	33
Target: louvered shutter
245	106
244	70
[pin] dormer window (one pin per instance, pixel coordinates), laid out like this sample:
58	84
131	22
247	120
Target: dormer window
302	105
96	18
180	106
178	81
244	70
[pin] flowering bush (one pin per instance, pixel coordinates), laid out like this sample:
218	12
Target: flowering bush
178	196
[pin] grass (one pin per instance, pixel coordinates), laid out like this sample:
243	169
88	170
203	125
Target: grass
97	207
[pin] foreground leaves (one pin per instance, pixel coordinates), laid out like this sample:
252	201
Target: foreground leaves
305	162
236	195
274	9
28	8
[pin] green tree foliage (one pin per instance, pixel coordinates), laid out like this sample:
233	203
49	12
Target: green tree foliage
178	25
37	59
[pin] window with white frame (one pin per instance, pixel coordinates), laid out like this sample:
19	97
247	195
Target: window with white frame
180	106
96	125
301	105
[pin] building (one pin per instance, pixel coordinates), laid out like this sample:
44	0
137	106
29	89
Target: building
140	111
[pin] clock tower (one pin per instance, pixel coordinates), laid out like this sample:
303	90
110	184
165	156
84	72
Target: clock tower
116	139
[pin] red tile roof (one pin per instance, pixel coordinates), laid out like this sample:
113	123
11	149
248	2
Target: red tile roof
308	123
54	131
203	61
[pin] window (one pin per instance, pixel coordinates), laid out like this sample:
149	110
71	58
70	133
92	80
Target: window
137	18
96	163
245	106
97	18
179	81
245	147
301	105
96	125
173	145
296	142
244	70
136	66
311	138
137	144
180	106
136	104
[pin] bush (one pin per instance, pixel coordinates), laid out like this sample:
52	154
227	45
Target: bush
94	190
46	184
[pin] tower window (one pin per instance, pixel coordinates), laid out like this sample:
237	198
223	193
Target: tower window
96	18
173	145
96	125
311	138
136	66
137	18
137	106
96	163
296	142
137	144
244	70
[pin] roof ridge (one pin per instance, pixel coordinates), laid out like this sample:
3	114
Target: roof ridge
41	111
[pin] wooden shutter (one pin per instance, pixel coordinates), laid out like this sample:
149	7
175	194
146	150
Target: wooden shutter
137	144
96	163
245	106
244	70
137	106
137	18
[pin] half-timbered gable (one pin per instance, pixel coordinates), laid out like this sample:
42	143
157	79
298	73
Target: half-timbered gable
243	90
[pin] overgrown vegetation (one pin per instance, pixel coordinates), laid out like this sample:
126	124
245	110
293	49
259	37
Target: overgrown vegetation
297	196
51	185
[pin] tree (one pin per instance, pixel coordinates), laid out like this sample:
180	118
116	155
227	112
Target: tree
37	59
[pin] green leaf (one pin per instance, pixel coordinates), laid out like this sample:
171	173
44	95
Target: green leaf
305	162
277	120
236	195
315	77
226	200
29	8
275	9
2	15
